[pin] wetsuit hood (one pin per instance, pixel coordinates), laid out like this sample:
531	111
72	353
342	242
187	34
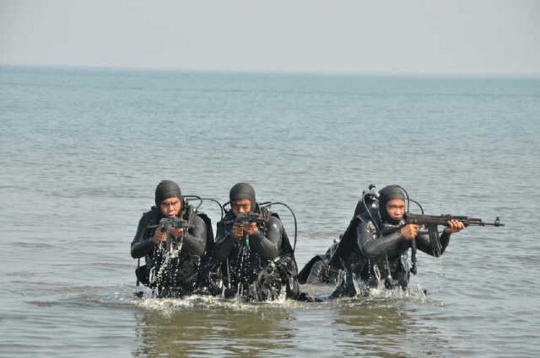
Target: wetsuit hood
165	190
242	191
386	194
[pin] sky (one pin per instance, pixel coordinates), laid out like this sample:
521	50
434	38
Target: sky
478	37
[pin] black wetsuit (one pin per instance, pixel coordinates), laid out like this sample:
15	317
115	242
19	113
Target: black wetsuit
176	274
256	266
318	270
376	252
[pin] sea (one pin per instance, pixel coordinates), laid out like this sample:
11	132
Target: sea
83	149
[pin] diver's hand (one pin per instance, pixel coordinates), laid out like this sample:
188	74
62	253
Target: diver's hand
176	232
160	235
237	231
251	228
454	226
409	231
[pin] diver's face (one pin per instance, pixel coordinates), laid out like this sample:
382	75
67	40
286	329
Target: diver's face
171	207
396	209
242	206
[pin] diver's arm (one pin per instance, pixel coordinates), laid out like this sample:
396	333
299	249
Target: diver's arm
195	238
141	246
423	243
372	245
268	246
444	240
453	226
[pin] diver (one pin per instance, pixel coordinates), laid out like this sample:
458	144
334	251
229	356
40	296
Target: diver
253	251
373	251
173	237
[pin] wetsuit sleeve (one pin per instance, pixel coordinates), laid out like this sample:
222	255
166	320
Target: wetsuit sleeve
195	238
141	246
224	242
371	245
268	246
424	244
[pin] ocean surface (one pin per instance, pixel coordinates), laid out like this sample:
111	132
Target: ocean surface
82	150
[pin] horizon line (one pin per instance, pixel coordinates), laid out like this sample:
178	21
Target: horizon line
445	74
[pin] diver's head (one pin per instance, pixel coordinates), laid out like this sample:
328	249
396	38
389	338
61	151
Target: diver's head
168	198
392	203
242	198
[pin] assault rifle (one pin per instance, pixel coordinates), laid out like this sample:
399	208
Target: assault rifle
176	223
250	217
168	224
428	220
432	221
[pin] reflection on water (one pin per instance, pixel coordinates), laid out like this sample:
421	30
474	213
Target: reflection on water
384	326
380	326
221	328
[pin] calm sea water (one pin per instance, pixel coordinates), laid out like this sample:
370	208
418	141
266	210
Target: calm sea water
81	152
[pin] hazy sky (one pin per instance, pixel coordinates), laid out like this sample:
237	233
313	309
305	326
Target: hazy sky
361	36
